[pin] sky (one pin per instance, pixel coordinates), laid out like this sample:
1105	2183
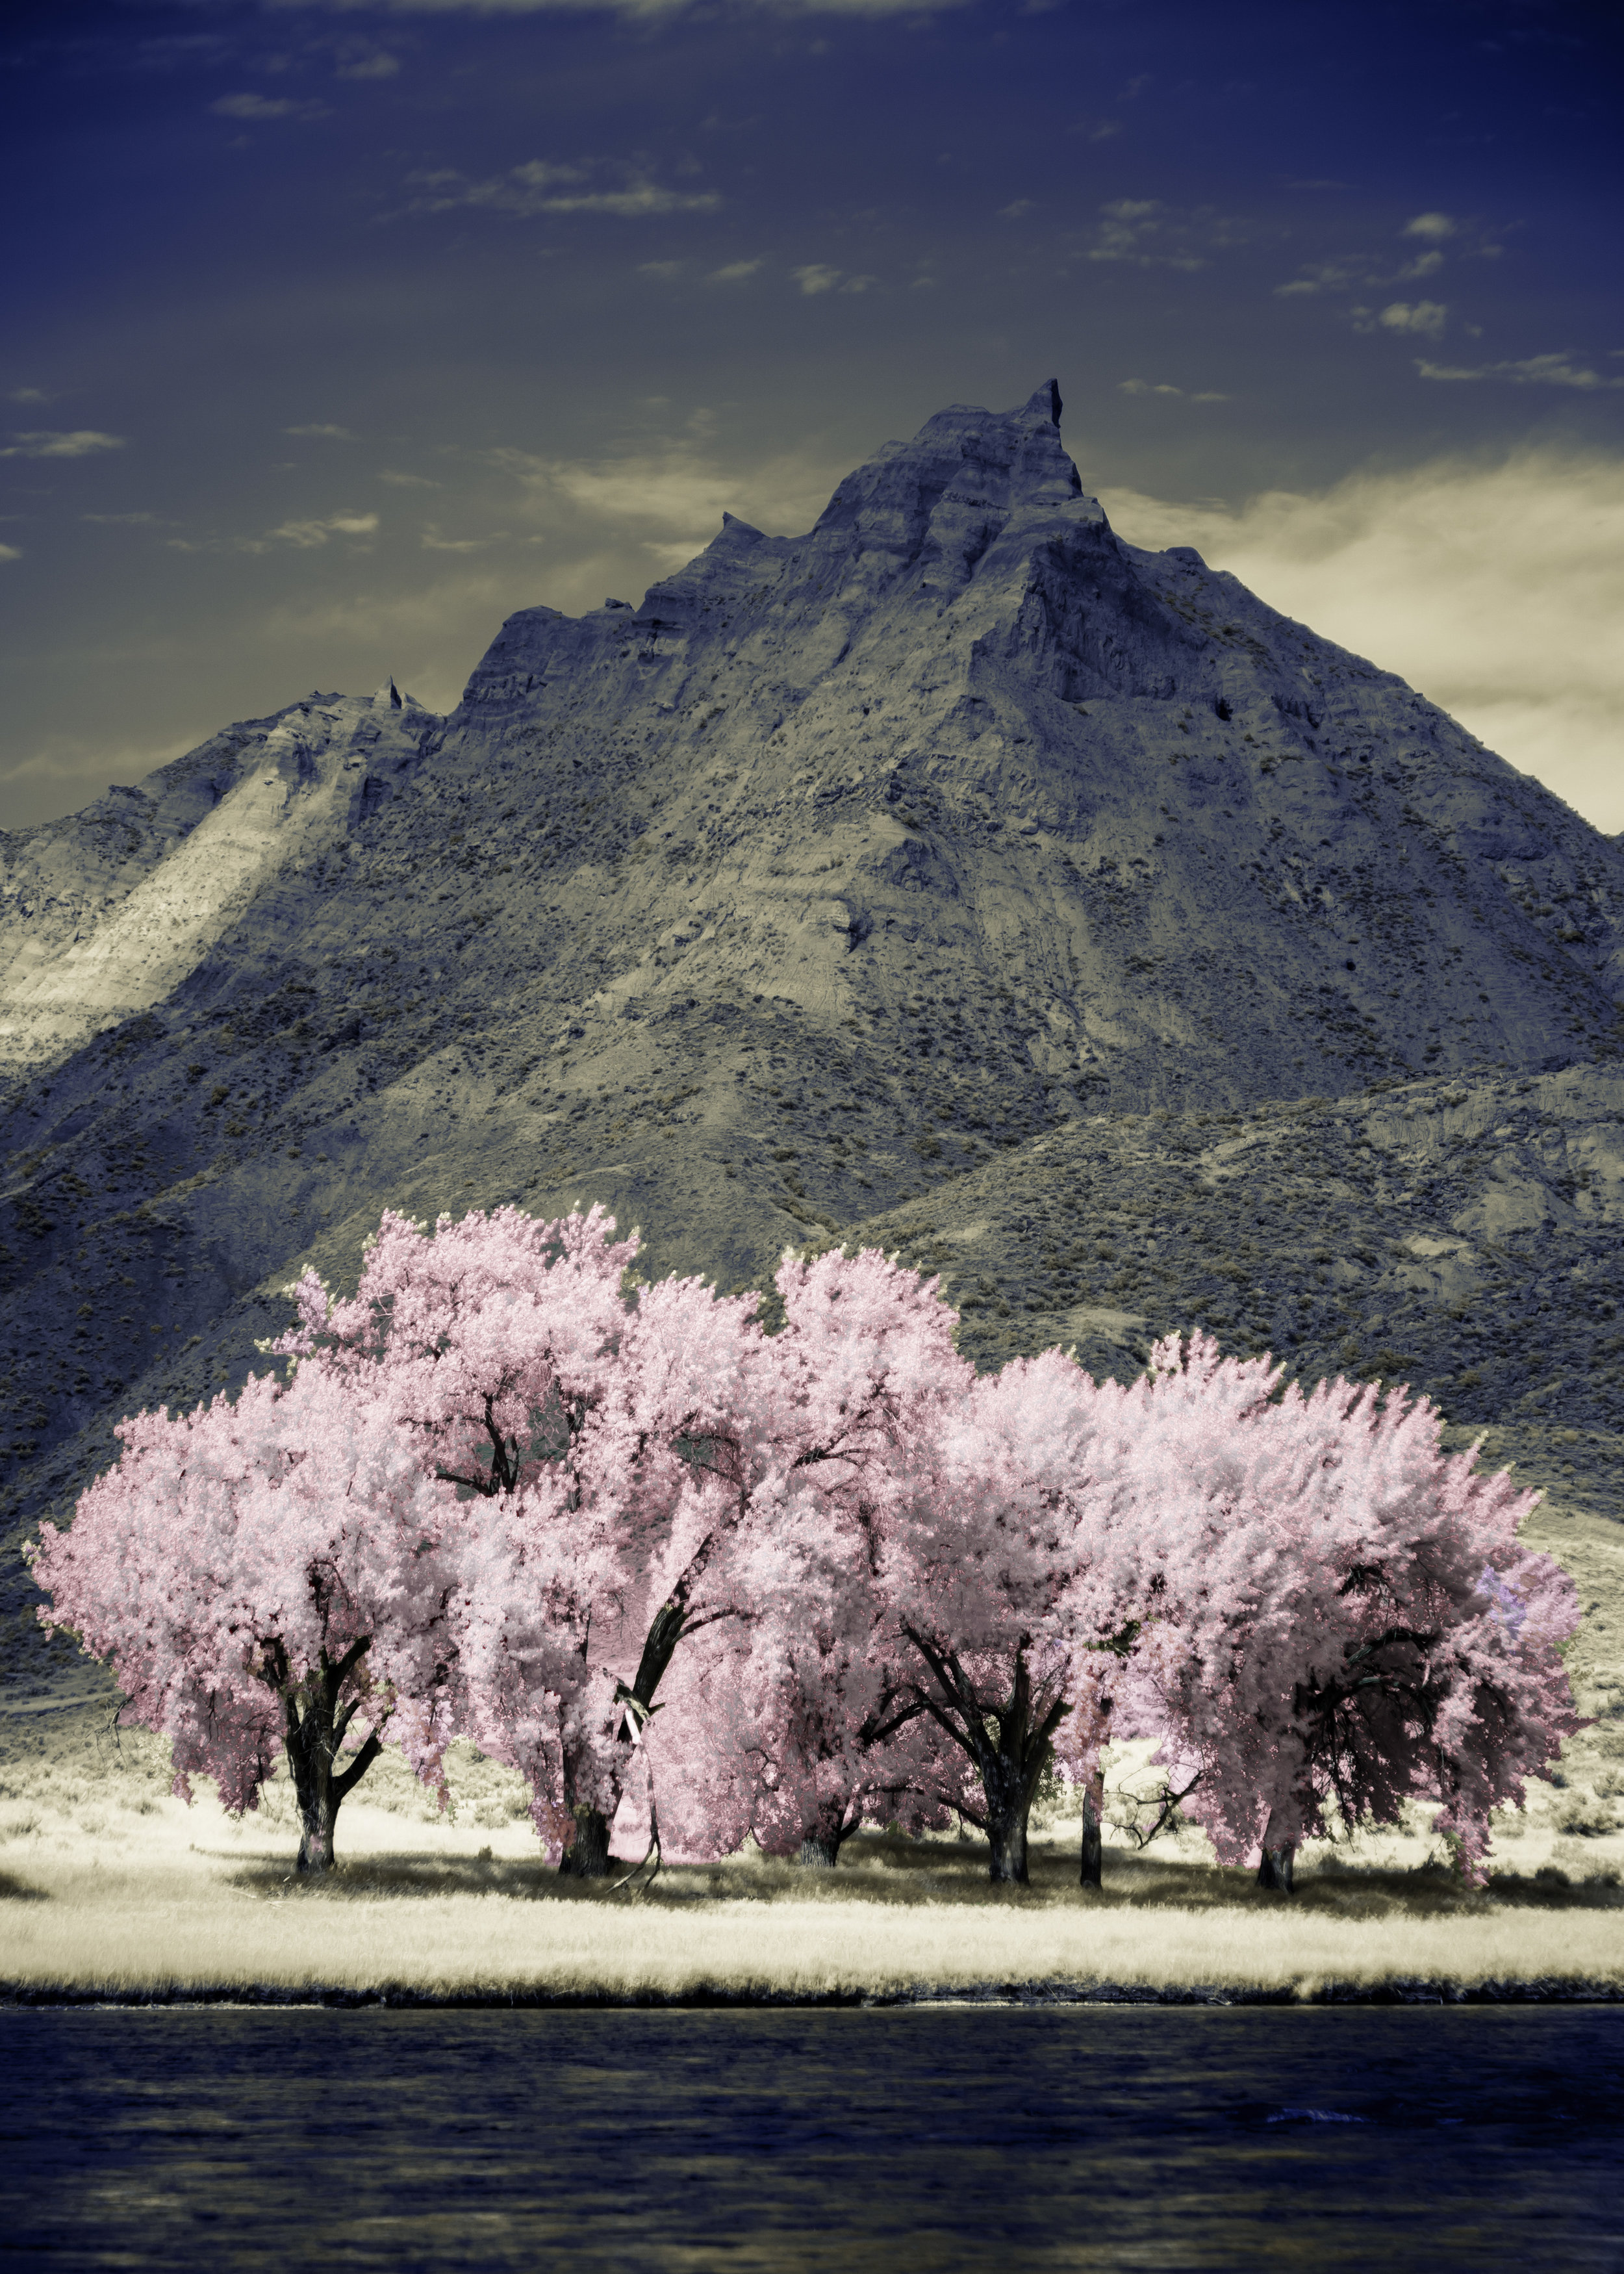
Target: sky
336	330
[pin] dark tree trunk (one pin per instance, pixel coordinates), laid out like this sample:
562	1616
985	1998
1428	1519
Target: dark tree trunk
587	1856
1008	1739
314	1725
1091	1873
1276	1868
821	1839
1010	1773
1006	1837
1279	1850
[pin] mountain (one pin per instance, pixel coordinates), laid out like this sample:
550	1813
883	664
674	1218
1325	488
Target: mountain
954	848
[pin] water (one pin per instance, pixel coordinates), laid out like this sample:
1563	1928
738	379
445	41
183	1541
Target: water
915	2139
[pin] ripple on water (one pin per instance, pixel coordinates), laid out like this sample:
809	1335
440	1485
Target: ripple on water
776	2141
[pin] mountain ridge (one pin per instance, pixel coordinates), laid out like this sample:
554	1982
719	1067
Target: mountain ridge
841	870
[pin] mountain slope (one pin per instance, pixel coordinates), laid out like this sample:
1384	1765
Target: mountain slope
837	868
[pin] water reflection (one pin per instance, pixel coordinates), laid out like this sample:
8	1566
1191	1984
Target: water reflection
782	2141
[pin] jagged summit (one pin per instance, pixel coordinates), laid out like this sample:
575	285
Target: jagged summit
838	863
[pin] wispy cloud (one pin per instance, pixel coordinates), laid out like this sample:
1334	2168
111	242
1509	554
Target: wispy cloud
542	185
11	552
264	107
1494	587
1145	233
1018	210
817	276
376	63
322	433
1426	317
83	442
126	520
1348	272
1345	274
1434	227
735	273
1144	387
431	541
29	395
304	536
308	534
668	497
406	481
1528	371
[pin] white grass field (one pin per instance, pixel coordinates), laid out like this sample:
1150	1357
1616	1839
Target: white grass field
109	1887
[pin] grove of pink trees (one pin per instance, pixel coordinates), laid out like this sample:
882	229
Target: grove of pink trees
632	1544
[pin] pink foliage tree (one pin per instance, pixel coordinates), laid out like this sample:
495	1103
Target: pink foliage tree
588	1428
1012	1578
1337	1616
266	1573
810	1709
505	1482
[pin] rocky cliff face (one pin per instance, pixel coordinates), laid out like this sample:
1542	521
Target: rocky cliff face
844	867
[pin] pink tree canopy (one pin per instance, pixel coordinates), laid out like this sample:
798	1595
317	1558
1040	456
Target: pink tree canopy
1012	1575
801	1705
1335	1610
266	1572
505	1481
589	1428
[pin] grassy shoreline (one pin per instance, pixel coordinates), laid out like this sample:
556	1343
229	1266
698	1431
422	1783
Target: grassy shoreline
437	1914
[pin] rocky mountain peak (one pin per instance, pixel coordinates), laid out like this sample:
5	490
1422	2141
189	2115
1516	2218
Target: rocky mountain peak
843	867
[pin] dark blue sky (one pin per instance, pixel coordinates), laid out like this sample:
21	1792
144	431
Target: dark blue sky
335	332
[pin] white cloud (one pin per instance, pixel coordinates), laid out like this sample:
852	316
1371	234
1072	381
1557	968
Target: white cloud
817	277
126	520
735	272
667	500
11	552
304	536
29	395
1143	232
1424	264
1495	588
308	534
1339	275
83	442
1014	212
1530	371
431	541
1434	227
265	106
1144	387
406	481
377	65
325	433
542	187
1426	317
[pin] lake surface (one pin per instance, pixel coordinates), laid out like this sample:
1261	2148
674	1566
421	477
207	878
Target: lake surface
914	2139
